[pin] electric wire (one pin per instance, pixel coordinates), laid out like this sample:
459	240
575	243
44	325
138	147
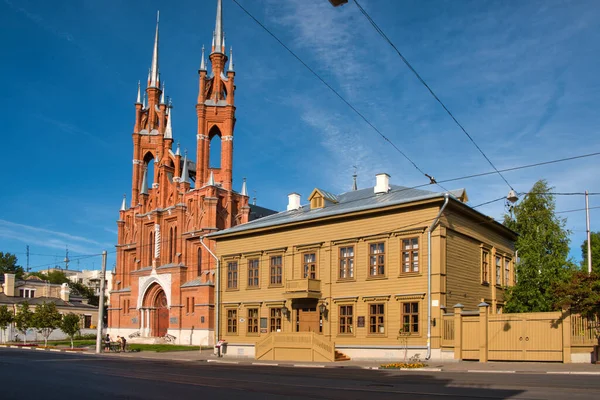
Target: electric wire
361	115
382	34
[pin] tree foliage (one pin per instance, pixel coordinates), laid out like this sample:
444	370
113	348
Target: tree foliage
8	265
595	239
70	325
6	318
581	294
23	319
543	250
86	292
46	319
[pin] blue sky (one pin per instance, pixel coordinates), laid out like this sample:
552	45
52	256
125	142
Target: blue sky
521	76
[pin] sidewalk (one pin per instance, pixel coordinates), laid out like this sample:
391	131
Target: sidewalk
433	365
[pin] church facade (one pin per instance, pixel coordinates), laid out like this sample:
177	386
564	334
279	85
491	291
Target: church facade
164	285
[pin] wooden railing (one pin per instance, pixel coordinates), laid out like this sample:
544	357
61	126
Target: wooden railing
298	340
263	346
584	330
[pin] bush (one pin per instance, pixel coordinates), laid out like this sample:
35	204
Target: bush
87	336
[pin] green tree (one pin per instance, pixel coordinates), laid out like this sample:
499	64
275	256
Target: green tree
8	265
46	319
581	294
23	319
6	318
543	246
86	292
595	239
70	325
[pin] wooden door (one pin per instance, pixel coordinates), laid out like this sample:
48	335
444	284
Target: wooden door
162	315
308	320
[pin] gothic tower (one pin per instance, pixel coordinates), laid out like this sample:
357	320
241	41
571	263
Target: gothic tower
165	275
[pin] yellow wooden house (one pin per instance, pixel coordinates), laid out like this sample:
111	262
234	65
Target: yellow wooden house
366	274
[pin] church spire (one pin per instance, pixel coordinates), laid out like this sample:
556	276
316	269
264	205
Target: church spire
203	61
139	96
230	69
219	38
154	79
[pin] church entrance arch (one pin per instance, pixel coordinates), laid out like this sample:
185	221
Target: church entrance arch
155	301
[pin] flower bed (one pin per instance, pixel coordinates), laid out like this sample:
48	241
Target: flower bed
403	365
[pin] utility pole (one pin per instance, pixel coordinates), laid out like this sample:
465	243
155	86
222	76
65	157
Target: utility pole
589	239
27	247
101	305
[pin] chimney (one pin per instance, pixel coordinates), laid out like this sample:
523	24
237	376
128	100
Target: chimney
382	184
9	285
64	292
293	201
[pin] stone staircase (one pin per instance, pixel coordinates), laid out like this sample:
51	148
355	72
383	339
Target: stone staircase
339	356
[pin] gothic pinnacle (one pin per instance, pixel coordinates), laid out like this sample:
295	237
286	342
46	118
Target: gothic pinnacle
169	128
202	62
124	204
184	172
244	189
211	180
230	69
144	182
162	96
139	96
178	153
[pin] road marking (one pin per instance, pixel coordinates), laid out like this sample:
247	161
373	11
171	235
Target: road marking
308	366
572	373
223	362
37	348
479	371
57	350
268	364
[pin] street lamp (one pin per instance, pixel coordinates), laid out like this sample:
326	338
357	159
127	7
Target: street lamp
512	196
323	309
285	311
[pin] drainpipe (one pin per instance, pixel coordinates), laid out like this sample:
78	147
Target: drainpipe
432	227
218	293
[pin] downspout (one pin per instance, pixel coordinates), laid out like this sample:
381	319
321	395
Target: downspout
432	227
218	292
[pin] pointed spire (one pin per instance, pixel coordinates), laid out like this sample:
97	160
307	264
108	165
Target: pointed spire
169	128
202	62
162	96
145	182
230	69
211	180
178	153
144	102
244	189
154	78
184	172
139	96
124	204
219	39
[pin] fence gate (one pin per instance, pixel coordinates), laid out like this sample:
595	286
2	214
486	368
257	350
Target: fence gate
525	337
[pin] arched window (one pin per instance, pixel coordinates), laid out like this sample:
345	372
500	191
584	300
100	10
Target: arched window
199	261
214	135
170	245
175	244
149	169
151	248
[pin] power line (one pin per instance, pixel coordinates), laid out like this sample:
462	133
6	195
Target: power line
338	95
520	167
378	29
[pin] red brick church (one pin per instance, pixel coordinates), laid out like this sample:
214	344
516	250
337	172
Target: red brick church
165	278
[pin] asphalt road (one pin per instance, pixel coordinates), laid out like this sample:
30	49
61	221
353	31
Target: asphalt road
30	374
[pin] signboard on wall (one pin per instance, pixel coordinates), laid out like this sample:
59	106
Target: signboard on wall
263	325
360	322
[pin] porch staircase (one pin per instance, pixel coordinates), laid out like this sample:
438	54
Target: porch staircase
339	356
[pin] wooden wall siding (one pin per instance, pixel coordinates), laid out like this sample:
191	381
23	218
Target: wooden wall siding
325	239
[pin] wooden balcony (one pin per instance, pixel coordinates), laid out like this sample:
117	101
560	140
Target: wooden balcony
303	288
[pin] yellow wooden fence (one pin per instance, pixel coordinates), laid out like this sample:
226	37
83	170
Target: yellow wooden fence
550	336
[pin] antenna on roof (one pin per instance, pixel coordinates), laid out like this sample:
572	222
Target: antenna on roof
354	186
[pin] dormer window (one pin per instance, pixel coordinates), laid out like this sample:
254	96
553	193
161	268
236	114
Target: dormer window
316	202
320	198
27	293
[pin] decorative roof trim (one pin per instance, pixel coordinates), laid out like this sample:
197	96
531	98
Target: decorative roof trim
309	246
347	299
410	296
276	250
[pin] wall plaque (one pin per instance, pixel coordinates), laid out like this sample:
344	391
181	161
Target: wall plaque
360	322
